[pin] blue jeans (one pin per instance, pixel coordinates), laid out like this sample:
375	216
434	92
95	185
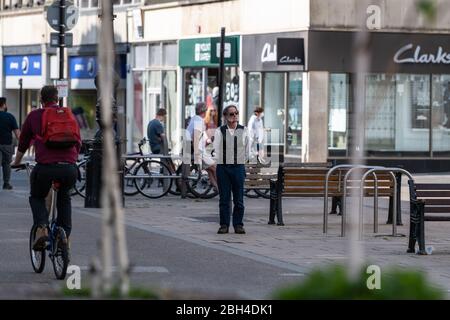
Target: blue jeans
230	179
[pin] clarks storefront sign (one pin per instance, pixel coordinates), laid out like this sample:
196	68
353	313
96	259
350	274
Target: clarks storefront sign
390	52
415	54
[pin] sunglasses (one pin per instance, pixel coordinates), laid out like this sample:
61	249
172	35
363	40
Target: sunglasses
232	114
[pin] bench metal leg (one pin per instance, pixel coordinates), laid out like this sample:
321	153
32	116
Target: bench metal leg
280	212
421	235
273	209
417	228
398	177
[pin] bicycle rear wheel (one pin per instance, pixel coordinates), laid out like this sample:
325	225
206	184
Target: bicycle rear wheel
37	257
151	179
199	184
60	255
129	187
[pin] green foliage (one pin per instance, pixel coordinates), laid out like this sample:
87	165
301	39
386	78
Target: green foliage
428	8
334	283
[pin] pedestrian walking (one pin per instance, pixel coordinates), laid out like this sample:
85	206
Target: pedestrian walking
256	133
8	125
230	144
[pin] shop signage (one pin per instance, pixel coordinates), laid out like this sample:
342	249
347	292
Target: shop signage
205	52
411	54
86	67
83	67
23	65
262	52
290	51
414	53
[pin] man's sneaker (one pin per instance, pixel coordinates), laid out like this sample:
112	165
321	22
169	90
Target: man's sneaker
41	239
7	186
223	229
239	230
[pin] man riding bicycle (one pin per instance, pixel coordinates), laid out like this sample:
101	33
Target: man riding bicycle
55	161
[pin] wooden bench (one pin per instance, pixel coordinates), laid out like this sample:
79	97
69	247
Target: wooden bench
426	198
308	180
296	180
258	178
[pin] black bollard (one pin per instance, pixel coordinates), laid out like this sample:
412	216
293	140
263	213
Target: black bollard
94	176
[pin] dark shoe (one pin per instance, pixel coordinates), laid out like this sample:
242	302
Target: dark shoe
7	186
239	230
223	229
333	212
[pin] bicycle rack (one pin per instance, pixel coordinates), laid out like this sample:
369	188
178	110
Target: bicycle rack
325	204
394	210
344	200
361	201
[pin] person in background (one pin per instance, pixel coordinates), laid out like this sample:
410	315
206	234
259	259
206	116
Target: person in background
8	125
256	132
211	119
156	133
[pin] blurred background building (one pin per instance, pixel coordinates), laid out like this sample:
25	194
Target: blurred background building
166	57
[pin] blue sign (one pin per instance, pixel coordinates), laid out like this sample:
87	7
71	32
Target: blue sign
23	65
82	67
86	67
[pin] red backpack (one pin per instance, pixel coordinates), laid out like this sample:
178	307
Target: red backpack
60	129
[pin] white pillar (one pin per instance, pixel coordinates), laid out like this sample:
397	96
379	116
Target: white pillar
315	117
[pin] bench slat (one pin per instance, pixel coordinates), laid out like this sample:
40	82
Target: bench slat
436	218
433	194
429	209
438	202
432	186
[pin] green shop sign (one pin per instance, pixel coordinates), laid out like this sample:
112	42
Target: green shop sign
205	52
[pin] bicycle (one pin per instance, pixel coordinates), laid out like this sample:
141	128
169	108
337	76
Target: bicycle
56	246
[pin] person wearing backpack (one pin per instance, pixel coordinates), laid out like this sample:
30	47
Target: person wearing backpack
57	144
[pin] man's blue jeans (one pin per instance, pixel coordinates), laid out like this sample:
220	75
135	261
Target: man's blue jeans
230	179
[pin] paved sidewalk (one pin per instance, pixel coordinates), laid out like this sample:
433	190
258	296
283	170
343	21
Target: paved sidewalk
301	244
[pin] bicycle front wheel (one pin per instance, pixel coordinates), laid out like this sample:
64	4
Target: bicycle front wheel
152	179
37	257
199	184
60	255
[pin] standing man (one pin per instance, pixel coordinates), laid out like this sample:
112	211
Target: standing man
230	144
8	124
155	133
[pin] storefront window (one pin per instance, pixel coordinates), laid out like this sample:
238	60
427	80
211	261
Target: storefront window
83	104
253	92
294	115
441	115
397	113
339	93
193	90
274	101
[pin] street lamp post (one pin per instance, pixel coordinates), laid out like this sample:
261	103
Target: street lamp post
94	165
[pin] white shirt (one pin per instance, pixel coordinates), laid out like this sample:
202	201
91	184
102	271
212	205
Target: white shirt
196	124
242	153
256	129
